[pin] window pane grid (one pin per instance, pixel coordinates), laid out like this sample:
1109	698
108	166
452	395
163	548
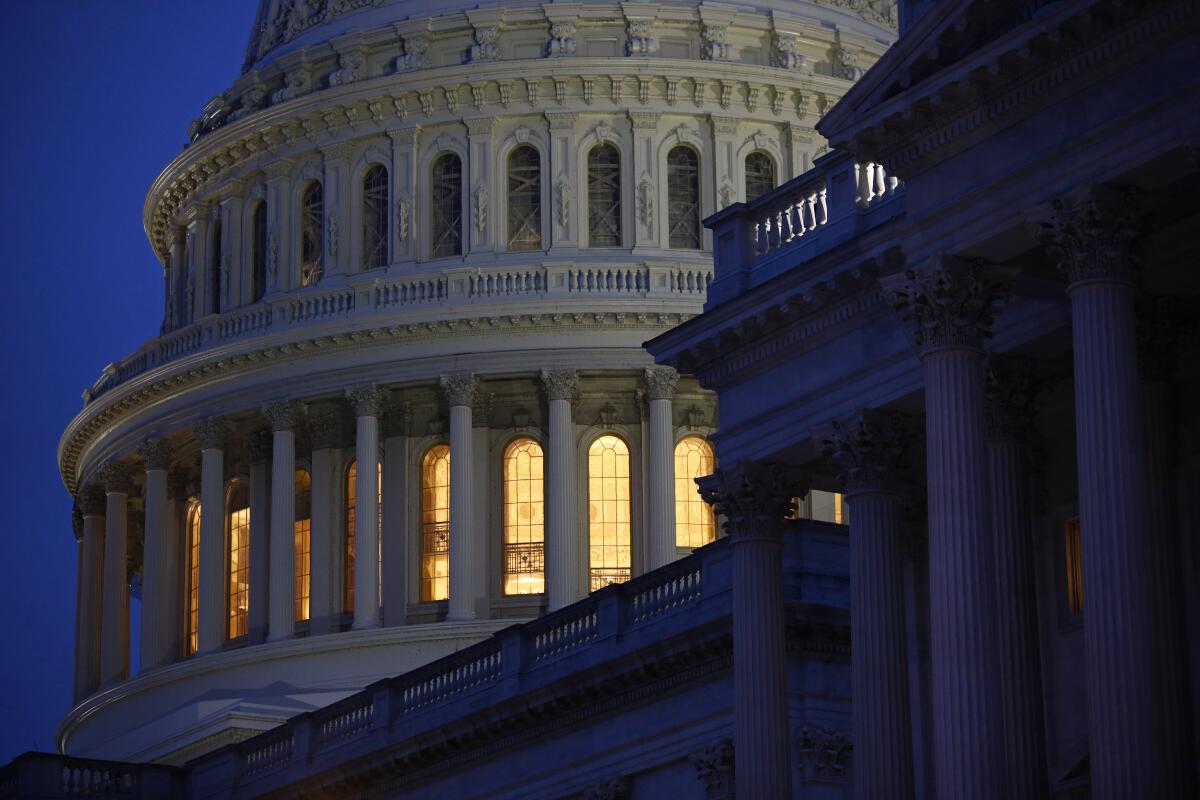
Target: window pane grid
193	581
683	198
604	196
524	518
239	566
303	543
375	218
695	524
435	524
608	512
524	199
446	206
312	221
760	175
348	561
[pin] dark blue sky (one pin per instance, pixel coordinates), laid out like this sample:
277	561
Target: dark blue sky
97	98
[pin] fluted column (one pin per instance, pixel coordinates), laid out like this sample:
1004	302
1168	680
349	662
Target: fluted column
281	623
258	452
212	433
870	449
114	622
950	304
460	396
156	575
396	482
562	539
178	495
87	643
1134	753
480	510
754	498
660	476
328	436
1011	393
368	404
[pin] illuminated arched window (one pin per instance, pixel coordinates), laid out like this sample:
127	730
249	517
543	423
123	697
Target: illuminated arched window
524	199
445	208
524	519
191	639
683	198
214	269
608	512
258	254
375	218
348	560
760	174
604	196
435	524
695	524
238	524
312	222
303	533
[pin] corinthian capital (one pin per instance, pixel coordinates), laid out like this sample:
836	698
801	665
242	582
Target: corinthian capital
156	453
1012	388
869	447
212	433
949	302
460	389
560	384
91	500
714	768
753	497
283	415
661	382
117	476
366	400
1092	232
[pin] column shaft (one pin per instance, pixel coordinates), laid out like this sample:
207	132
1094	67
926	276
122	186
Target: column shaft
260	547
156	577
660	484
325	604
212	618
87	676
395	514
480	516
114	627
562	542
366	523
462	601
282	618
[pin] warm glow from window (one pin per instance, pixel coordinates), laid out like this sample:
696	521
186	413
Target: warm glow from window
524	519
239	561
435	524
1074	559
303	533
695	524
348	562
822	507
191	640
608	512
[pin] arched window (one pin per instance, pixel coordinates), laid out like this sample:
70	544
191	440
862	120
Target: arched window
435	524
695	524
191	636
683	198
238	522
312	222
303	533
375	218
760	174
604	196
348	560
258	255
524	519
524	199
214	270
608	512
446	206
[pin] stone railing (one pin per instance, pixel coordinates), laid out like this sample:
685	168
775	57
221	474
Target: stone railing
835	200
368	295
48	775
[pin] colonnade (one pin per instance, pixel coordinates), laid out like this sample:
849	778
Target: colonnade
380	593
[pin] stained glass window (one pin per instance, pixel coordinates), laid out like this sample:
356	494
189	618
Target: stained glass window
760	174
446	206
524	199
524	519
604	196
683	198
239	559
435	524
375	218
695	524
303	541
608	512
312	221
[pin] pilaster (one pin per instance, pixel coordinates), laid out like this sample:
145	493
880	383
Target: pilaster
338	197
565	183
460	392
405	171
660	474
644	175
480	184
280	261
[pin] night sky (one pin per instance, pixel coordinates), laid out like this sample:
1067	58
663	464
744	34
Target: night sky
98	96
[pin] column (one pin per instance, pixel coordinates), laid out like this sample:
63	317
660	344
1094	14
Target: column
178	495
460	396
87	637
395	515
660	477
114	621
258	452
727	187
1011	393
562	539
404	171
870	449
328	437
176	273
157	578
337	205
1133	753
481	516
754	498
281	622
197	257
279	225
950	307
231	250
212	433
566	187
368	404
644	178
479	138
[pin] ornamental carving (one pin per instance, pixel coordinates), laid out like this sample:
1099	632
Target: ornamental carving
1092	232
641	38
611	789
824	753
715	768
350	68
367	400
283	415
459	390
252	100
870	449
563	206
296	83
156	453
715	47
645	199
117	476
753	497
91	500
949	301
212	433
333	236
403	216
1012	387
560	384
783	52
660	382
273	256
258	446
485	48
844	63
608	416
562	40
481	209
327	431
414	58
881	12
